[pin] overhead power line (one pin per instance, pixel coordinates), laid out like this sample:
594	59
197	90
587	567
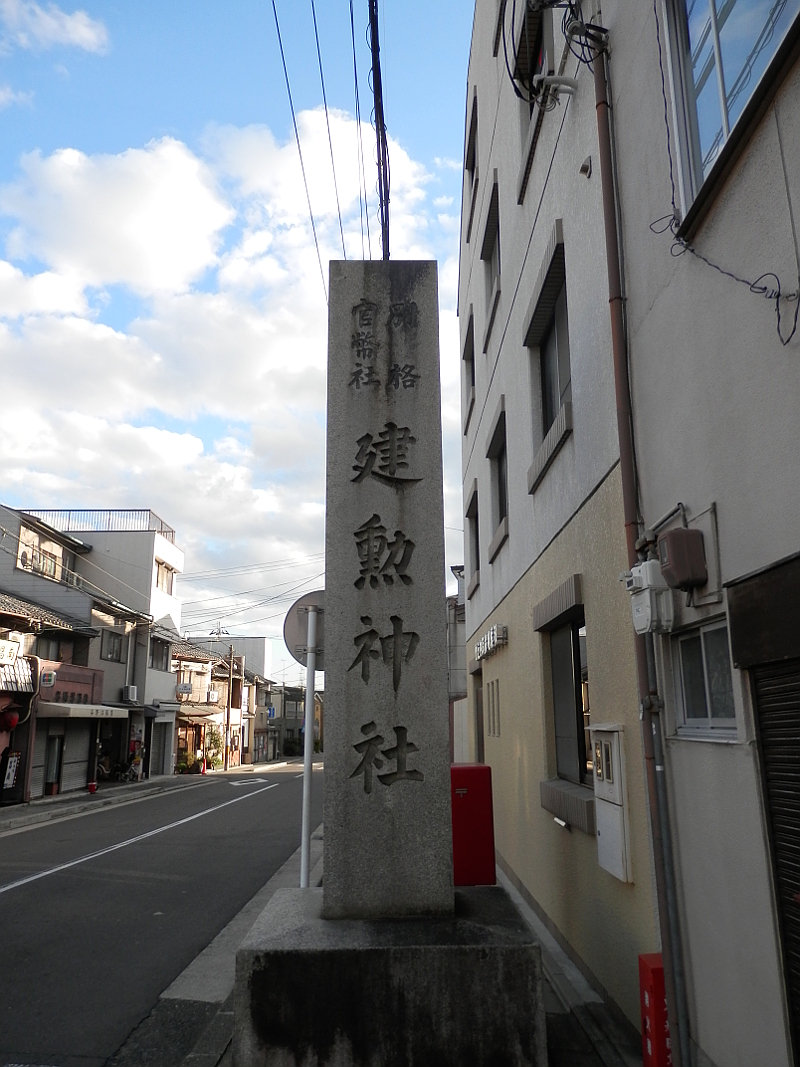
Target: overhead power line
328	124
229	572
300	151
363	202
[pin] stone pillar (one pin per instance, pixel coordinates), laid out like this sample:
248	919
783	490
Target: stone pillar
388	848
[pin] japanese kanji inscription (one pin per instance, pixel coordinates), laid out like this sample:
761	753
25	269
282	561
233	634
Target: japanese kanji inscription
388	835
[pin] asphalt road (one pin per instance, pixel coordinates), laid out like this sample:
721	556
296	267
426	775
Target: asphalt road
87	949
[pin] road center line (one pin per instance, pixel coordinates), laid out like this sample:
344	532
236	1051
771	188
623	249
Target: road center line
132	840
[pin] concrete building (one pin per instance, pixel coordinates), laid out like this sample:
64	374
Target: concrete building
703	162
549	637
110	576
463	742
715	402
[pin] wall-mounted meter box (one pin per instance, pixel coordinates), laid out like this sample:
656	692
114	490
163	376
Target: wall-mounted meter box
683	558
611	800
651	598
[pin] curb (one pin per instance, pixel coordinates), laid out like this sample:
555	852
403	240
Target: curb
214	1045
68	805
611	1044
51	810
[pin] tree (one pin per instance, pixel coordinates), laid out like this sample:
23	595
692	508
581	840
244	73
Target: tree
213	746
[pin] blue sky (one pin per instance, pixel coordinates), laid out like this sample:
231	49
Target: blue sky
160	297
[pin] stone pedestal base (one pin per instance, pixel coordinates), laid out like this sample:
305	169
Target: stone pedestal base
464	991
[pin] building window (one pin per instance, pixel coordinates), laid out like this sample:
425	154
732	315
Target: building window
554	363
47	648
570	677
705	679
159	658
490	254
471	167
468	399
493	708
112	646
724	47
164	577
497	454
473	541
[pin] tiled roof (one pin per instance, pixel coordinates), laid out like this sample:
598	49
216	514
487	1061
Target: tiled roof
35	613
186	650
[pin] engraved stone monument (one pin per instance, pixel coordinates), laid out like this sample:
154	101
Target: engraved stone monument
386	965
388	838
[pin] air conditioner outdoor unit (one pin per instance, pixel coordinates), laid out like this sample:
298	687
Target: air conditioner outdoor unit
129	694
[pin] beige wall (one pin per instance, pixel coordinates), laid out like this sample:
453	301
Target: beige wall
606	922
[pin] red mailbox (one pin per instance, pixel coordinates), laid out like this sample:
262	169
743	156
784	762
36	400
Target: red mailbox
473	824
656	1047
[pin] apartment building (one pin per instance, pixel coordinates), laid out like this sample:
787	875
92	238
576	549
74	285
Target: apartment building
642	159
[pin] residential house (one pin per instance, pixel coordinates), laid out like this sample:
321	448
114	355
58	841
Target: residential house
108	577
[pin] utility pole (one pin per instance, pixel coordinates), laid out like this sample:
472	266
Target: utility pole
228	713
380	128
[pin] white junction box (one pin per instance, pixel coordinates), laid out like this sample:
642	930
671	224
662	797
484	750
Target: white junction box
611	800
651	598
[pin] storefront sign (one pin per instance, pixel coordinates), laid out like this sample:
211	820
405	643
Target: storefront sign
9	650
491	641
184	689
11	770
51	710
47	679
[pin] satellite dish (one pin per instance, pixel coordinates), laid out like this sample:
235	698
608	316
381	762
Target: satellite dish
295	627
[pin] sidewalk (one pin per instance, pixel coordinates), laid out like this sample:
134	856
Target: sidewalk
80	802
580	1030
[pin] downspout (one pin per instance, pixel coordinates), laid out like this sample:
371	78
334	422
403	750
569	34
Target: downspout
650	703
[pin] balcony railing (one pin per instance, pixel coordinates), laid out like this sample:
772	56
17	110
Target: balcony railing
106	521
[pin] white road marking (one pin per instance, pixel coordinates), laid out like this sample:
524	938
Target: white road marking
131	840
251	781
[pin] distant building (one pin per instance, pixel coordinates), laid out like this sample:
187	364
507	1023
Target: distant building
107	578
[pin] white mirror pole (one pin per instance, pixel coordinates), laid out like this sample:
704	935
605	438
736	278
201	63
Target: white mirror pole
308	750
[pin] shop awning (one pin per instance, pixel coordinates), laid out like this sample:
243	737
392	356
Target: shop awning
49	709
16	677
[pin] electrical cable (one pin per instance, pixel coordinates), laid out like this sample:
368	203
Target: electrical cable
362	178
231	596
328	124
277	564
380	129
762	286
299	150
199	616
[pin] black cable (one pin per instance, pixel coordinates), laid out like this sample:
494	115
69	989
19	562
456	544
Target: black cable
300	151
328	124
671	224
362	179
380	129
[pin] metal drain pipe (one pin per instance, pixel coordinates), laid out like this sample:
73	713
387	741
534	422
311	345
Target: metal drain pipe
650	704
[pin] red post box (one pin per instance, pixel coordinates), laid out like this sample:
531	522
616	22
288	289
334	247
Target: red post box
656	1046
473	824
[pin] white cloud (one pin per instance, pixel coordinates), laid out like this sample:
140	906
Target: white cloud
29	25
209	406
9	96
149	218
